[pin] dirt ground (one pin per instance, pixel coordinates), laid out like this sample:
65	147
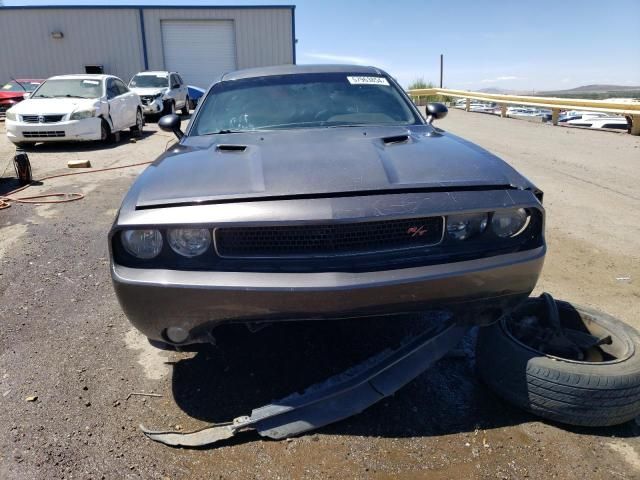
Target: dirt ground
65	340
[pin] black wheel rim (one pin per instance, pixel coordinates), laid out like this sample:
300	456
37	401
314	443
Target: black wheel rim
579	322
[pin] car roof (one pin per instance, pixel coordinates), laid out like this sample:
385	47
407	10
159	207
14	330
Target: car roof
299	69
154	72
82	76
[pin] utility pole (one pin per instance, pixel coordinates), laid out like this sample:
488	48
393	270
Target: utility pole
441	65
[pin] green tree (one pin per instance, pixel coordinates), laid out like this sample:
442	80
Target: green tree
422	99
420	83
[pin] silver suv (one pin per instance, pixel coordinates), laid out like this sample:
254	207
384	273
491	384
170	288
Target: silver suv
161	92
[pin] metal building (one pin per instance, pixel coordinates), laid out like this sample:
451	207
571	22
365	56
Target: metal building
199	42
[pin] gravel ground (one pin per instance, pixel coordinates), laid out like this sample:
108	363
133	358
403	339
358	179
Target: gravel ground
66	342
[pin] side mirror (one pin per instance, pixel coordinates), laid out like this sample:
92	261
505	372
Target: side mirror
175	85
171	123
436	111
26	95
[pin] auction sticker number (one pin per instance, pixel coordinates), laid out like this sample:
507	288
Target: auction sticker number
368	81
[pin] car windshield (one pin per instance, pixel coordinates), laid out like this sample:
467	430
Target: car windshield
70	87
149	81
20	86
303	101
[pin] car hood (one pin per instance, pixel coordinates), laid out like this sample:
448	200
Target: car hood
45	106
148	91
11	95
308	162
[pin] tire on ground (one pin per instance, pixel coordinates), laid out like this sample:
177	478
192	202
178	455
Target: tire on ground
137	129
572	392
106	135
185	108
168	107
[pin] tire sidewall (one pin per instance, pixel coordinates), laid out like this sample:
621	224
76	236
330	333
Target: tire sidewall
514	351
577	393
139	126
105	132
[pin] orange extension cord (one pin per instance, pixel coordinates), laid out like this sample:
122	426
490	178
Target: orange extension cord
57	197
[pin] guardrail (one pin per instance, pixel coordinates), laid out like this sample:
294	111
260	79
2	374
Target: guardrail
552	103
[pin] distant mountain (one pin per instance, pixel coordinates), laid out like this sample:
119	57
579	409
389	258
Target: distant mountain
498	91
595	92
593	89
505	91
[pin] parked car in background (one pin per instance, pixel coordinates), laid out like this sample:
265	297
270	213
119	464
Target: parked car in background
522	111
14	92
612	122
579	115
76	108
482	107
249	219
161	92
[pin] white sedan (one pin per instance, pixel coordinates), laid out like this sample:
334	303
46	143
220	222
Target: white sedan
75	108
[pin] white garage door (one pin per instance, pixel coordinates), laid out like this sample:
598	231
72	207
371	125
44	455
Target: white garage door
199	50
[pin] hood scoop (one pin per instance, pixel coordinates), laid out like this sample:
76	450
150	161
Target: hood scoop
395	139
230	148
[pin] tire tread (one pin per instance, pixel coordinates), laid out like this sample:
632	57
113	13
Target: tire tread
567	392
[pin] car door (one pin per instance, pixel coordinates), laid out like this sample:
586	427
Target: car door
117	105
177	90
131	102
184	91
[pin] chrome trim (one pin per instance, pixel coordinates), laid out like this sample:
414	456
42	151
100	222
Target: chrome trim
370	252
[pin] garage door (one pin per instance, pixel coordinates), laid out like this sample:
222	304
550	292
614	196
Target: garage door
199	50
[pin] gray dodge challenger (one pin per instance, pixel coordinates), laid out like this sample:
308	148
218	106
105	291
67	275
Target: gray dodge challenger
320	192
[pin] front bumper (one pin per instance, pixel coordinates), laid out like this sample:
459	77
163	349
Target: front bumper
152	108
6	105
477	291
71	130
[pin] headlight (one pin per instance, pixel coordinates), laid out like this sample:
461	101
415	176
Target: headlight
466	225
82	114
189	242
509	223
11	116
145	244
157	95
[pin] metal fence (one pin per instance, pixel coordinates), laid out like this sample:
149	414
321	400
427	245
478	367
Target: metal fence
552	103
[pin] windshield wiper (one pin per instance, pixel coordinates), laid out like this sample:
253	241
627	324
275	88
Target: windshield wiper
71	96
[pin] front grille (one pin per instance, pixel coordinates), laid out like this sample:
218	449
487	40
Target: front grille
44	134
42	118
326	240
4	108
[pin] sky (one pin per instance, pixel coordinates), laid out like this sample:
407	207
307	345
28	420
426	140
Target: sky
531	45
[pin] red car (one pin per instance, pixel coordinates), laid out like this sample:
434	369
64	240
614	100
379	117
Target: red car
13	92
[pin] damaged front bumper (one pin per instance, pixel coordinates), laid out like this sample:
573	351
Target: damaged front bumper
338	397
476	291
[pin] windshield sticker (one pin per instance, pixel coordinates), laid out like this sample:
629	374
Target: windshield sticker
91	82
161	76
368	81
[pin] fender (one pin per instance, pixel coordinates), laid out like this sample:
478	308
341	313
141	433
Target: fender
107	118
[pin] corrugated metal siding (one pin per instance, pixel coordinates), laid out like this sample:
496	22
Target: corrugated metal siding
113	38
263	36
91	36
